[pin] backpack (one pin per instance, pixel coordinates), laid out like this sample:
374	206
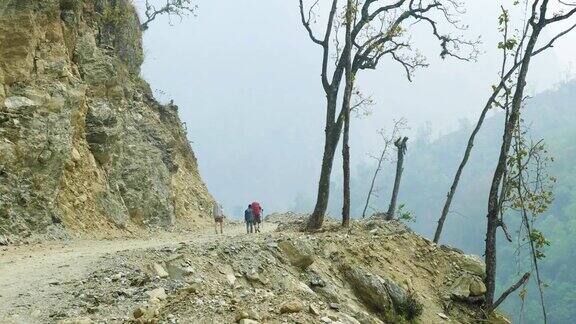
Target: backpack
256	209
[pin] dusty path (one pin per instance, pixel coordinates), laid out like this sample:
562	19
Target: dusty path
33	277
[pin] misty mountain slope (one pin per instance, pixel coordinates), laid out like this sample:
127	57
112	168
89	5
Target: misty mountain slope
430	166
84	146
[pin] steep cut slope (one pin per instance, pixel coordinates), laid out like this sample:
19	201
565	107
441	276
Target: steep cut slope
84	146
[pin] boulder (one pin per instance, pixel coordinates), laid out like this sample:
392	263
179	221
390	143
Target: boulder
467	286
377	292
16	102
298	253
159	270
292	306
472	264
156	295
249	314
177	269
477	288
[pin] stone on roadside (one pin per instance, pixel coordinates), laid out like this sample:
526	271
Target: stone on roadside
247	314
298	253
241	314
443	316
160	271
292	306
156	295
313	310
138	312
247	321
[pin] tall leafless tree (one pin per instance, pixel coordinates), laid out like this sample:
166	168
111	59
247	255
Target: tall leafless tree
540	17
399	125
509	68
347	57
400	144
378	30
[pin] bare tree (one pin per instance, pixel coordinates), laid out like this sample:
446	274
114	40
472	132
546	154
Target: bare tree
347	58
377	31
399	125
179	8
400	144
540	17
511	62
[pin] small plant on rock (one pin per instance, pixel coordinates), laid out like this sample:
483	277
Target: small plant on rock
411	308
405	214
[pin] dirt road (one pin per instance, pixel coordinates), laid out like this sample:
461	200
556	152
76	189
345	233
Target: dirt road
33	279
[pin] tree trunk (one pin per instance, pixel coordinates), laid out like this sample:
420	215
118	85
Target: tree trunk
374	181
401	146
463	163
446	209
346	171
493	197
330	144
347	55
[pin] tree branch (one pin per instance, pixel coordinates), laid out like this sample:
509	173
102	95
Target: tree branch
510	290
554	39
179	8
306	22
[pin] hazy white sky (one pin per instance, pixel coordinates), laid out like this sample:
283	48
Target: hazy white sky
246	78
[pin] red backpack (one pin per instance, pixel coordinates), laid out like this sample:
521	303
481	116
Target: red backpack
256	209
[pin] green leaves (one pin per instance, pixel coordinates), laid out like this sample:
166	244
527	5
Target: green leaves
509	44
404	214
504	18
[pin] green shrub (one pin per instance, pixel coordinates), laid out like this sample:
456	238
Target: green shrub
411	308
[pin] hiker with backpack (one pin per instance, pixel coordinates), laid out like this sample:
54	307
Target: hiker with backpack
257	212
249	219
218	217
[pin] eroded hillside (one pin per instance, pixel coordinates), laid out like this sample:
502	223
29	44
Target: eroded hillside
84	146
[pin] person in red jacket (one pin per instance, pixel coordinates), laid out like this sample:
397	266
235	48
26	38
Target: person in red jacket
257	212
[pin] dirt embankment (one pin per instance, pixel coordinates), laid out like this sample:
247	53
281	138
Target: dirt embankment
374	272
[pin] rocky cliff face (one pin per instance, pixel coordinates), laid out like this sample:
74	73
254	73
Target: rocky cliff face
84	146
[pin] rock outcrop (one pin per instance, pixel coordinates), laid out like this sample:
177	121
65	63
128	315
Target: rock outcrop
84	146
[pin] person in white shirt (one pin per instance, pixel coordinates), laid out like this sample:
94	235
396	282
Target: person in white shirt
218	217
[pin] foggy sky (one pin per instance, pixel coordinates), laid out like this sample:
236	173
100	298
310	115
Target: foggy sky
246	78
